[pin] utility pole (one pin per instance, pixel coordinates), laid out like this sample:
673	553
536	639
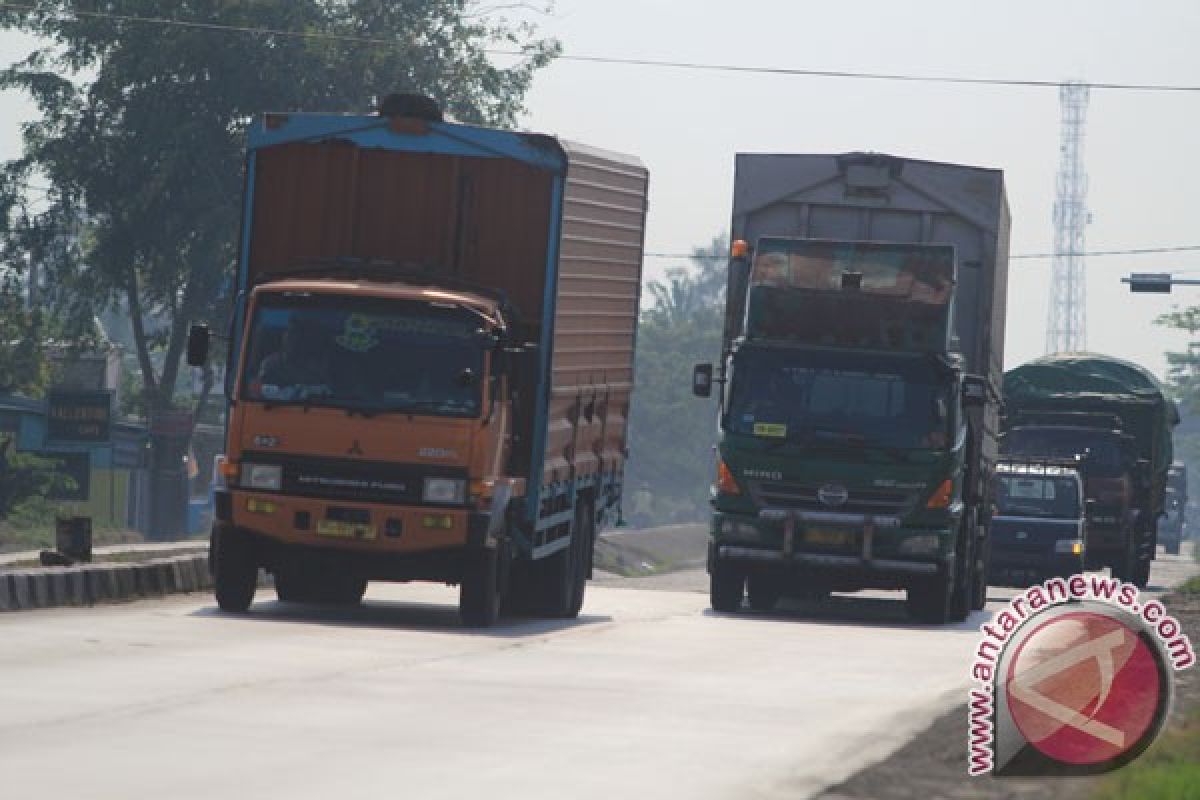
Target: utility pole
1066	322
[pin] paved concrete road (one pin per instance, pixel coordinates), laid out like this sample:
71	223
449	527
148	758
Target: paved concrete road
647	695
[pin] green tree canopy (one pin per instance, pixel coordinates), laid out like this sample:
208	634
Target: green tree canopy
140	136
671	432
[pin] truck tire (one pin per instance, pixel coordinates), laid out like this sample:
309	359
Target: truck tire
585	528
557	580
931	600
726	586
1126	565
479	594
963	586
763	592
235	573
983	565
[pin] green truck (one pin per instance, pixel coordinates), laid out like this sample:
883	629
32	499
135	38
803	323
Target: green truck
1115	418
859	381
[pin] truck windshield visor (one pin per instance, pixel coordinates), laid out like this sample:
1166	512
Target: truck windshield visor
852	294
918	273
1037	496
1098	455
365	354
828	399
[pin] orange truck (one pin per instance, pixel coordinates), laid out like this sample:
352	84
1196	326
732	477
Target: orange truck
430	361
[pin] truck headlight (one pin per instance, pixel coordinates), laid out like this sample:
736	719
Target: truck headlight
445	491
1070	547
262	476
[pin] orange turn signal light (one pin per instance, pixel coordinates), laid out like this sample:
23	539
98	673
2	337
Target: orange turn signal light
740	249
726	484
942	497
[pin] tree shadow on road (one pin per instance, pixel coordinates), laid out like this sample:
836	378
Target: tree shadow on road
399	616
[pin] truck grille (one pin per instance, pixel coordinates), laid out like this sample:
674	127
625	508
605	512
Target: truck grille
778	494
345	479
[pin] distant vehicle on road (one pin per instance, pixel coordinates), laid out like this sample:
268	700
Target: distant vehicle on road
1039	528
1173	527
1117	418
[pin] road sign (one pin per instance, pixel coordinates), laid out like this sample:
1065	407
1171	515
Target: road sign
79	416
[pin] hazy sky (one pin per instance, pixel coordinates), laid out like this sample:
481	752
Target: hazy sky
686	126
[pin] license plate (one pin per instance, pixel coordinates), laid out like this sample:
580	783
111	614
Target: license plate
345	530
829	538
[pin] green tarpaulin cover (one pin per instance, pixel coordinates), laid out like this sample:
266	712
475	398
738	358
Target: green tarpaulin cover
1092	382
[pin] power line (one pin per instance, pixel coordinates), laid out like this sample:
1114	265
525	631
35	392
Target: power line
1135	251
610	60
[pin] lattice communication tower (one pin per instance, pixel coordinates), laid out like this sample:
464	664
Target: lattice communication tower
1066	323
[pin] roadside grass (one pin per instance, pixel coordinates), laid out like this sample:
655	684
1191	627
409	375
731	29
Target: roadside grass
1169	770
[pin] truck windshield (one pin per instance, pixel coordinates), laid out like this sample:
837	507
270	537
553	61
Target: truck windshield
364	354
1099	452
1037	496
829	398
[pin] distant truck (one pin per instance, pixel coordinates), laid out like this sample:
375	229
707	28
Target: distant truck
1039	528
1172	530
1116	417
431	361
859	381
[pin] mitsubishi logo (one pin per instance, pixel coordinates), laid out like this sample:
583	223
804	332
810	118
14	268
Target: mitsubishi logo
833	494
355	449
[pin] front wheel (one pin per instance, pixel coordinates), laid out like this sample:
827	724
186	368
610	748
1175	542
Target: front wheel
763	592
726	587
932	600
479	594
235	573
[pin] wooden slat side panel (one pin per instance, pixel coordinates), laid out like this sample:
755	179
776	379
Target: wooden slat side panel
599	288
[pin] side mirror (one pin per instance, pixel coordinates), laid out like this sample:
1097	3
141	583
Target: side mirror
702	375
974	391
197	345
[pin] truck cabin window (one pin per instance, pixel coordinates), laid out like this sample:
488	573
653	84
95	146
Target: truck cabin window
1098	455
366	355
824	399
1037	496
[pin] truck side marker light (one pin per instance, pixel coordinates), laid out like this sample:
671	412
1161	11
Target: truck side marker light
438	521
726	483
942	497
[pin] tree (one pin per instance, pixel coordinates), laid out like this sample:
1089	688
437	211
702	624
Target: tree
671	432
1183	369
142	128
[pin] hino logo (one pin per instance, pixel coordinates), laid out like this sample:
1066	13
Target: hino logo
833	494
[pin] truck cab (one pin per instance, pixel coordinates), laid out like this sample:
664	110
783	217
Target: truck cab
1039	525
1112	476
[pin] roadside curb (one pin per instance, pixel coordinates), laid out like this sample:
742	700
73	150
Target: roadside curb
89	584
